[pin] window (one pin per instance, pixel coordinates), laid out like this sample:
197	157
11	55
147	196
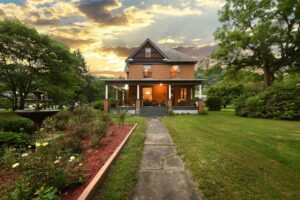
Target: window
183	93
147	72
148	52
175	71
147	94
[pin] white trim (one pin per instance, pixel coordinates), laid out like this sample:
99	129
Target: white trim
138	92
170	91
106	92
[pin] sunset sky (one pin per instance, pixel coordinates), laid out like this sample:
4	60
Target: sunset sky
106	31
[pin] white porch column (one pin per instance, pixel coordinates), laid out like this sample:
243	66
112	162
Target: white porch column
106	92
138	92
170	91
200	91
117	95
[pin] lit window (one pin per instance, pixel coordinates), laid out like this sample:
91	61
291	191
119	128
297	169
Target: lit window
147	72
175	71
183	93
148	52
147	94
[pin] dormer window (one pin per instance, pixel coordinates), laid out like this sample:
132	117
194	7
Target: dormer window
148	52
175	71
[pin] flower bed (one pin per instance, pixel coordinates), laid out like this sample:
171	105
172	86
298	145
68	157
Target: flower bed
62	160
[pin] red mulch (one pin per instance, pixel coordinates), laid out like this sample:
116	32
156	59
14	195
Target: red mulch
95	158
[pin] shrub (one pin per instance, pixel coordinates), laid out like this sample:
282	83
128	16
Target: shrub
95	142
69	145
106	118
17	124
58	121
98	105
214	103
81	132
171	112
280	101
5	103
12	139
83	114
101	129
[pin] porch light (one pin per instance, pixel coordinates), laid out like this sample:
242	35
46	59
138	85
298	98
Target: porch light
126	87
160	84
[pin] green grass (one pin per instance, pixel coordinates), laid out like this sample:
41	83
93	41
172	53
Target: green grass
122	178
239	158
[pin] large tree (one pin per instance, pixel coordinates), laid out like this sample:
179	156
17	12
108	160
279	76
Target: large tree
29	60
260	34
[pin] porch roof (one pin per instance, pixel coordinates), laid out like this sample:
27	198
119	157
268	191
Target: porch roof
154	81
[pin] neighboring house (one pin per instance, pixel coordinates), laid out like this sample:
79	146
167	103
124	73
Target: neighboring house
158	78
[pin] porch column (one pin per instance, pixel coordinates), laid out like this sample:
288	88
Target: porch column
123	97
117	97
105	103
138	101
170	97
200	100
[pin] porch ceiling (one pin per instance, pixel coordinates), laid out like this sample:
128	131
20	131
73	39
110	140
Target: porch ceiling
154	81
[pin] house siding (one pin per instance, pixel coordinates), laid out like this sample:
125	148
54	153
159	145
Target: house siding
135	72
187	72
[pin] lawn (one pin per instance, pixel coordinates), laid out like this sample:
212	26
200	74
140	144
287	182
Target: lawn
122	178
239	158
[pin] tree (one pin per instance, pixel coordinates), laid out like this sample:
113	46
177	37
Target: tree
260	34
29	60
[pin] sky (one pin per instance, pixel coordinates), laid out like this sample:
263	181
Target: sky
106	31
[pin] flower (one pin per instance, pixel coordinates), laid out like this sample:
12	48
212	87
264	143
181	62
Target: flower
29	146
57	161
44	144
24	154
80	164
15	165
72	158
37	144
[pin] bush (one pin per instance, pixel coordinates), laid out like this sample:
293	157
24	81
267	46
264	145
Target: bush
17	124
5	103
81	132
106	118
95	142
98	105
12	139
214	103
101	129
69	145
280	101
84	114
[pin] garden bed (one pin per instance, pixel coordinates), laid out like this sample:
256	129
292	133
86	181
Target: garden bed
96	158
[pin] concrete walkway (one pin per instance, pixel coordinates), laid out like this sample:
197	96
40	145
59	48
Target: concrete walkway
162	175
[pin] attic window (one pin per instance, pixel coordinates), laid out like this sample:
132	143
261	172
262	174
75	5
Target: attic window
148	52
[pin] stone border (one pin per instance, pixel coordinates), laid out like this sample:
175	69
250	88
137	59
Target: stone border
91	188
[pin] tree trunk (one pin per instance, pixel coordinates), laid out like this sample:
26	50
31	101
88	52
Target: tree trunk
268	77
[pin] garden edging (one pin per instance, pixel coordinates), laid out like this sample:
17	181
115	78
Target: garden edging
90	189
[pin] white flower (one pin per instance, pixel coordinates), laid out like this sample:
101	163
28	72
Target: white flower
80	164
15	165
57	161
72	158
24	154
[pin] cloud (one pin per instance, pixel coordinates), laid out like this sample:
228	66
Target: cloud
173	11
210	3
119	51
108	73
73	42
197	52
100	11
172	41
2	13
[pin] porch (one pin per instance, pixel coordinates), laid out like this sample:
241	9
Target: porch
180	96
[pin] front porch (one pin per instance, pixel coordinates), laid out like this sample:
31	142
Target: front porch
180	96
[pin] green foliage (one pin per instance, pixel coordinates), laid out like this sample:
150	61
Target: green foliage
69	145
98	105
58	121
34	60
83	114
17	124
5	103
213	103
106	118
101	129
95	142
82	132
121	112
227	93
13	139
171	112
280	101
250	38
46	193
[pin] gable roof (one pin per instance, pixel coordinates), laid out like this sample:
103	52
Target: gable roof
169	54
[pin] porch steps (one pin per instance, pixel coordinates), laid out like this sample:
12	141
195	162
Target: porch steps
149	111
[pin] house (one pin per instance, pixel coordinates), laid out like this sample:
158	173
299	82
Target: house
158	79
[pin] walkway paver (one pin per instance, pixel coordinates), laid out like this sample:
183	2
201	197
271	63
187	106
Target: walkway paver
162	175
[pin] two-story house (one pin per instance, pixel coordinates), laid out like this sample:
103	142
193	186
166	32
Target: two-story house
158	78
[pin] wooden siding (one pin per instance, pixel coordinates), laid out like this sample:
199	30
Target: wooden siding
155	55
135	72
187	72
